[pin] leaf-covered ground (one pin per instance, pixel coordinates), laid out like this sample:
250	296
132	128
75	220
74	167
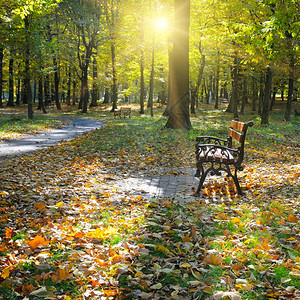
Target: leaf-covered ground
66	231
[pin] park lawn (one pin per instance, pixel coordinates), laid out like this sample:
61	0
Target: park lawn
67	232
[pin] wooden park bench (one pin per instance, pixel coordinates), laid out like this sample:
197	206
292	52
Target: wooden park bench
124	111
215	155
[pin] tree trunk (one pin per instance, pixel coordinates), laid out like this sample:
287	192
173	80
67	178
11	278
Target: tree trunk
195	91
41	105
114	75
273	98
142	83
1	75
266	102
254	93
18	97
95	91
47	95
261	93
151	84
217	84
68	100
244	97
179	99
235	88
11	83
27	85
287	114
56	83
106	96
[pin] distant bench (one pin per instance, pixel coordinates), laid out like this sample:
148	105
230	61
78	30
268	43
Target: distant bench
123	111
214	155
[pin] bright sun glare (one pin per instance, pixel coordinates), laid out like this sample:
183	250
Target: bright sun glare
161	23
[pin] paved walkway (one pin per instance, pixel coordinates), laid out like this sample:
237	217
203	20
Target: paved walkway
169	183
31	143
179	185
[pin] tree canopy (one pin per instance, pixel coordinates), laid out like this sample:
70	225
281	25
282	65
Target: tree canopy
110	49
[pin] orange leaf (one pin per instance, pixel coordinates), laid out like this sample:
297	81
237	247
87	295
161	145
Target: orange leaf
186	238
111	292
40	206
213	260
8	232
292	219
38	240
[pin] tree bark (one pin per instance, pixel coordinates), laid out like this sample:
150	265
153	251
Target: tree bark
287	114
114	77
68	99
11	83
151	84
179	99
1	75
142	83
95	91
41	105
27	85
267	97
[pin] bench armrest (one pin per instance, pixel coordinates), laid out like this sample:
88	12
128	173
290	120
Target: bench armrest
210	140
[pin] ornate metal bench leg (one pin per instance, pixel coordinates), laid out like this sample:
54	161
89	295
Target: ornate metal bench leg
239	190
202	179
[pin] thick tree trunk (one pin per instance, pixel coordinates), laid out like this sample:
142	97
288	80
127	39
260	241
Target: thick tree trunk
179	99
267	97
11	83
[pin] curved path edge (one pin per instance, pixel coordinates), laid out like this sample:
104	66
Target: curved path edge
31	143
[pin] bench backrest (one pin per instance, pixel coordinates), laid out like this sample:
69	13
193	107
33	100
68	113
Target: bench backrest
237	132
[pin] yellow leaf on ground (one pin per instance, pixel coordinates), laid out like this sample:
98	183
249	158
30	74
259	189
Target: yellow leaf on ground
157	286
6	271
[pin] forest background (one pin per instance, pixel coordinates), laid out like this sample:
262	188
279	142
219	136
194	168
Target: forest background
79	52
